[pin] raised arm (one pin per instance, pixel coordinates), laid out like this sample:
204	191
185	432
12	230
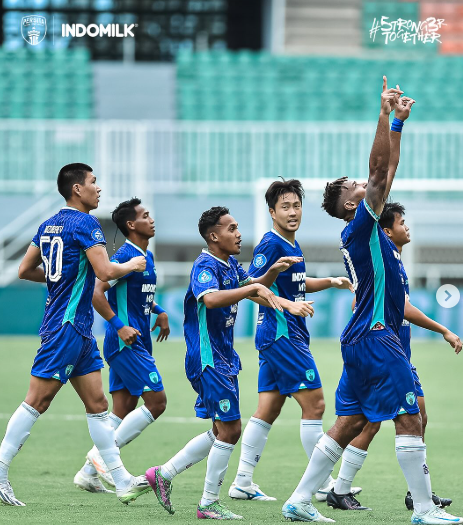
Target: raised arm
223	298
380	153
402	110
106	270
272	273
101	305
418	318
298	308
313	284
30	267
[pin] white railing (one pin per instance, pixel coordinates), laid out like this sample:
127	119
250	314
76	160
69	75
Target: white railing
216	157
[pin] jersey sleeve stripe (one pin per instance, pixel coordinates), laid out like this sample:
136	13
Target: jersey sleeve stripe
210	290
246	281
370	211
33	244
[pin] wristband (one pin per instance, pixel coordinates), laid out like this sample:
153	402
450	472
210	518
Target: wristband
158	310
397	125
116	323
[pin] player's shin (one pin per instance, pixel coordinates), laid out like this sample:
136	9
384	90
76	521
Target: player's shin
103	436
252	445
217	464
193	452
17	432
352	461
411	454
325	455
133	425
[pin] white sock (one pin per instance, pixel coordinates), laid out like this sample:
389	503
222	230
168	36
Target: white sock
352	461
193	452
311	431
411	454
103	436
217	464
17	432
252	444
133	425
88	467
325	455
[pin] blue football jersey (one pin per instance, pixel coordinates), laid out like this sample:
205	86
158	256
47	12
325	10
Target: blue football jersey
372	263
209	331
405	329
290	284
63	240
131	298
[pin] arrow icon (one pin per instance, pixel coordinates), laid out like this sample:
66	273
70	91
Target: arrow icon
449	295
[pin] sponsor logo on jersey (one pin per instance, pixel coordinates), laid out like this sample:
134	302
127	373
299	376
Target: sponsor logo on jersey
230	321
53	229
224	405
204	277
97	235
260	318
69	370
146	272
227	281
33	29
260	260
310	374
298	276
148	288
410	397
154	378
396	255
234	308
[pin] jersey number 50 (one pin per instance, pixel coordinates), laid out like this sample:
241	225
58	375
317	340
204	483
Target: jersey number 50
56	250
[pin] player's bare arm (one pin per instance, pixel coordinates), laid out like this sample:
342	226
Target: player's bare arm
224	298
402	108
101	305
272	273
313	284
380	152
299	308
162	321
106	270
30	267
418	318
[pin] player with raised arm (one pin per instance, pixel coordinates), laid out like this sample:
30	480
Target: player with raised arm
217	284
377	382
71	247
393	223
286	365
127	345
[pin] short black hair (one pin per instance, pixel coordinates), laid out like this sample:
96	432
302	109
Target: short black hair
388	214
210	218
124	212
282	187
71	174
332	198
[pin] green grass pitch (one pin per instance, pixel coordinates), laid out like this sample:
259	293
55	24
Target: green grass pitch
43	471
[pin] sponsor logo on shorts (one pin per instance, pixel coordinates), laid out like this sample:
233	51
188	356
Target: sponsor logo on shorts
205	277
97	235
310	374
69	370
260	260
224	405
410	397
154	378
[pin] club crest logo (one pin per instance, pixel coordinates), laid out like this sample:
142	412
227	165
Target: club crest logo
204	277
224	405
33	29
410	397
154	378
310	374
69	370
260	260
97	235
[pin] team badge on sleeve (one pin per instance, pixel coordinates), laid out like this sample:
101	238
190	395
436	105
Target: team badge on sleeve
97	235
224	405
260	260
204	277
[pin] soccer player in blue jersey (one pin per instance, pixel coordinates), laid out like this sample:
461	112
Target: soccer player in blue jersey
217	284
66	254
127	345
286	365
378	383
393	223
